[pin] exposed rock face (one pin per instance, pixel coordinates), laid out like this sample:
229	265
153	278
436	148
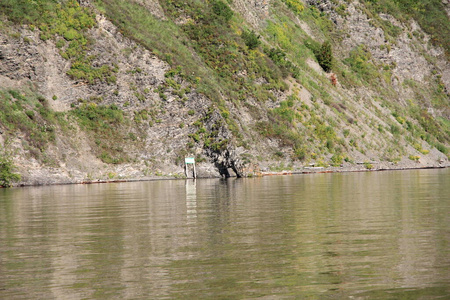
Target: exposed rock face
29	60
447	6
409	63
160	142
20	59
228	159
153	6
404	55
255	12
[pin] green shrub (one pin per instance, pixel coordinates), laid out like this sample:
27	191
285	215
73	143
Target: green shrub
222	9
325	56
195	137
414	157
251	39
108	159
330	145
395	130
295	5
7	176
441	148
346	132
360	63
278	56
368	166
299	152
337	160
60	43
286	112
71	34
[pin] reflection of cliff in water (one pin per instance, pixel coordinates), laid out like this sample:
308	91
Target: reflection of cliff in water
321	235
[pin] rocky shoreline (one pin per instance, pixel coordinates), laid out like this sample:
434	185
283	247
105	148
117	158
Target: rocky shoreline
300	171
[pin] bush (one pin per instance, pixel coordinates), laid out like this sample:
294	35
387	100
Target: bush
278	56
6	170
71	34
368	165
337	160
221	9
395	130
251	39
295	5
414	158
300	153
441	148
325	56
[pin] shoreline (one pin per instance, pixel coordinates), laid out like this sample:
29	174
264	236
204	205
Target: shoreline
304	171
343	170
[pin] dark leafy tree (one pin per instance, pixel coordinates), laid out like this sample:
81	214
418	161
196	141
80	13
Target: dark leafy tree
251	39
325	56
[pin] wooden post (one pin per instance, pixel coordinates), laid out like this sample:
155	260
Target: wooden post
189	160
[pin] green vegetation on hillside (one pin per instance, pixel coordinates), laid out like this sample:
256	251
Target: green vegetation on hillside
227	61
66	22
105	123
430	14
28	114
7	175
212	51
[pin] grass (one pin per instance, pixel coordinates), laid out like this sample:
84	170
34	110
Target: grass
66	22
106	124
164	38
360	63
430	14
28	113
221	50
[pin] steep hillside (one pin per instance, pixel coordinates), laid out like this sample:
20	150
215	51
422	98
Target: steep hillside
109	89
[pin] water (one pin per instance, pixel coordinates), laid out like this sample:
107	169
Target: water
377	235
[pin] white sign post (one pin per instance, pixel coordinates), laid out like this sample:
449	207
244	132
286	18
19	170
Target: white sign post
189	160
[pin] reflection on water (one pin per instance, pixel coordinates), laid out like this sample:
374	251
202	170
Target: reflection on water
378	235
191	199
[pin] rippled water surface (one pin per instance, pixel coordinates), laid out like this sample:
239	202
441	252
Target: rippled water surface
377	235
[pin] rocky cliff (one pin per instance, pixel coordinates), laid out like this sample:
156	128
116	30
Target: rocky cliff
134	87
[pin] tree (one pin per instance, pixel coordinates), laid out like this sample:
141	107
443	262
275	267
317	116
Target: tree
325	56
251	39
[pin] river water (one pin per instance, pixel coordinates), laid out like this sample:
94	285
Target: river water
374	235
